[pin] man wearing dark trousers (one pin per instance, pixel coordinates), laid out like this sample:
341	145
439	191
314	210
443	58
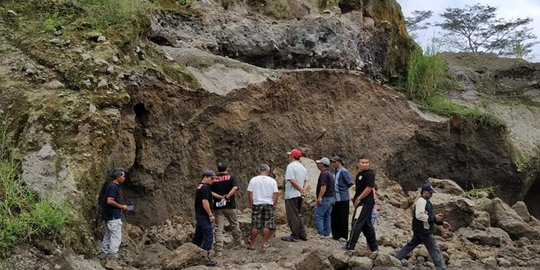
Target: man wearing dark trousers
340	210
365	183
203	214
296	183
423	227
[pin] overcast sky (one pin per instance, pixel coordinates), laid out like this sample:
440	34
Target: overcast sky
512	9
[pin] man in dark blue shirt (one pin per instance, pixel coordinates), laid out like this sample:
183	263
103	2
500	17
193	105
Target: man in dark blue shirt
325	198
112	214
363	201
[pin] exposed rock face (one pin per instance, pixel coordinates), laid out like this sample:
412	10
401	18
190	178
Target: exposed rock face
506	218
456	210
478	158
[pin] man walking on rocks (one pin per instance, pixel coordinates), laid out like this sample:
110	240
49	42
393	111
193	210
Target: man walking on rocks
364	202
112	214
224	189
295	185
340	210
423	227
325	198
203	214
263	196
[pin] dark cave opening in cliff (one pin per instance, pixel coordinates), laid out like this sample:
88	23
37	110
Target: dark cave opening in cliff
141	114
532	198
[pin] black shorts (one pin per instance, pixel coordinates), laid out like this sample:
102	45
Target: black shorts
262	216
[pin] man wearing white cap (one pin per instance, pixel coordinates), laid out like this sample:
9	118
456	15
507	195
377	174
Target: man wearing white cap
325	198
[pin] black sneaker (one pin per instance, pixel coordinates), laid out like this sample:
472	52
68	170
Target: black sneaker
211	263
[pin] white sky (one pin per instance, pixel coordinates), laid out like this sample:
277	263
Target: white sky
512	9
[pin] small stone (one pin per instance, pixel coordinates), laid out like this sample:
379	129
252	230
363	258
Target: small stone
58	32
54	84
57	266
101	38
103	83
92	108
77	50
86	56
99	61
168	57
49	127
504	262
138	49
55	41
12	13
115	59
87	83
110	69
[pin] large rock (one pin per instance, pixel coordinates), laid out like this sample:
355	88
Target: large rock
339	259
360	263
490	237
313	260
185	256
458	211
445	186
386	260
506	218
521	209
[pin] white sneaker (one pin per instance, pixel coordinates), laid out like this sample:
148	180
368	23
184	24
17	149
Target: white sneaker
342	239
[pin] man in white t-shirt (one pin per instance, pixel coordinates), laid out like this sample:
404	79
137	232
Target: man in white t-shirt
295	186
263	196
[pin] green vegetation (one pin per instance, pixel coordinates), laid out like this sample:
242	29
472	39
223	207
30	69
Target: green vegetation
426	72
23	216
478	192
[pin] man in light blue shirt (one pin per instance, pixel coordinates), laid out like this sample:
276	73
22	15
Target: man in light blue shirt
340	210
295	185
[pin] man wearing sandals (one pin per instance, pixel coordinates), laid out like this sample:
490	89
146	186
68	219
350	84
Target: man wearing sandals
263	196
295	186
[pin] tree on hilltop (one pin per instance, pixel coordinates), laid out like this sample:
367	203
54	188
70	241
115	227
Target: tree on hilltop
477	29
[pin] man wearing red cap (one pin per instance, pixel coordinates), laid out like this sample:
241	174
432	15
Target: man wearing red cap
295	185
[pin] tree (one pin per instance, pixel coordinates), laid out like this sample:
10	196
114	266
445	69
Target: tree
417	22
476	28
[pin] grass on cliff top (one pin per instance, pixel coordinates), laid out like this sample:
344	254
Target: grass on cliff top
23	216
428	78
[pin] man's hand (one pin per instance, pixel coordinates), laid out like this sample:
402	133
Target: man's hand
438	217
356	203
446	225
319	201
212	219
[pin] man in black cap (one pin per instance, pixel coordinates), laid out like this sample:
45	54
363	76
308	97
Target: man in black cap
224	189
203	214
423	227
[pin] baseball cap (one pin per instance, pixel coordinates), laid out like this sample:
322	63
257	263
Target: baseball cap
295	153
427	187
324	161
209	173
335	158
264	167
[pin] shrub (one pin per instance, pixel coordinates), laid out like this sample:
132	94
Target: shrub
105	13
426	72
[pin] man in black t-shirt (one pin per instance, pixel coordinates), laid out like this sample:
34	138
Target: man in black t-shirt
224	189
363	201
203	214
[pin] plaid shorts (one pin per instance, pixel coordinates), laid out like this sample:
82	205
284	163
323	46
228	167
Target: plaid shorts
262	216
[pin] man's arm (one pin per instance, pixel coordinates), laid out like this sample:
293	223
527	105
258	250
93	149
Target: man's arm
296	185
217	196
275	198
420	210
113	203
320	195
231	192
364	194
207	209
347	177
250	198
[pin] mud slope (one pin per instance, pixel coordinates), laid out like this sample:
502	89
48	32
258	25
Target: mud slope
176	133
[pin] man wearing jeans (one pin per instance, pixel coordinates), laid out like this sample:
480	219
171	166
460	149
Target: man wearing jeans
423	227
325	198
112	214
295	184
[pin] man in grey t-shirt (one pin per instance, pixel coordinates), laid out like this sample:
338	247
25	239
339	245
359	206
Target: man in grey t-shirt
295	185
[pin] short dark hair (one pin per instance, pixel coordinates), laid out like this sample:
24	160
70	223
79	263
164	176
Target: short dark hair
363	156
117	172
222	166
264	167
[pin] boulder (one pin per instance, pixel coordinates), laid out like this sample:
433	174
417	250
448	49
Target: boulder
445	186
261	266
386	260
506	218
360	263
490	237
185	256
502	262
522	211
458	211
313	260
339	259
481	220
